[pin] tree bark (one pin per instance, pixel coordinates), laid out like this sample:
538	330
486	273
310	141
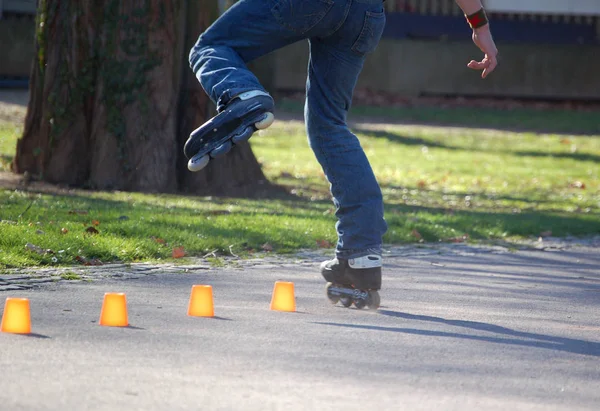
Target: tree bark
112	100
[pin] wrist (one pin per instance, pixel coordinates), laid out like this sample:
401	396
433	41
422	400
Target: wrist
478	19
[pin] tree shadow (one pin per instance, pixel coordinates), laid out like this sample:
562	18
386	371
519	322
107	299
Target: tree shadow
571	156
398	138
562	122
506	335
402	139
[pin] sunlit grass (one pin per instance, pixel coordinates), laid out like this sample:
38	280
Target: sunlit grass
440	183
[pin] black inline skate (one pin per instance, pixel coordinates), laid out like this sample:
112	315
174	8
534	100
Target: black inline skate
353	281
245	114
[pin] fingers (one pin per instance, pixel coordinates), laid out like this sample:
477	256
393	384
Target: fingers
488	65
492	63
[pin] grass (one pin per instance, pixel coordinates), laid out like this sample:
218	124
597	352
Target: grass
441	183
9	133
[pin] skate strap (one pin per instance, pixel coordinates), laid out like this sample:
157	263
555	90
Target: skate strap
368	261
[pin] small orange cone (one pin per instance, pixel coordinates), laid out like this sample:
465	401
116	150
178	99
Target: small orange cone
114	310
16	318
201	302
283	297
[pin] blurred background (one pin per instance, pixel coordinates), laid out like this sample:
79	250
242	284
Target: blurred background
548	51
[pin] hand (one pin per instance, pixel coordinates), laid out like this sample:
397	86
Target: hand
482	37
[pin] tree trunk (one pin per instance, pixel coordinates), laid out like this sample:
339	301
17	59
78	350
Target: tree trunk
112	100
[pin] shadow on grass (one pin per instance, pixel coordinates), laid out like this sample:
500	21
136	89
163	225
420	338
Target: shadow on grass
187	219
477	224
416	141
571	156
567	122
551	121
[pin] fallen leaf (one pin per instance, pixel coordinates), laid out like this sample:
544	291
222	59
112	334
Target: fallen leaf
324	244
421	184
64	231
85	261
80	212
178	252
577	184
565	141
91	230
39	250
159	240
218	212
267	247
460	239
416	234
95	223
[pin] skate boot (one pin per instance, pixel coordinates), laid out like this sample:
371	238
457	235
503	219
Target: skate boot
245	114
354	280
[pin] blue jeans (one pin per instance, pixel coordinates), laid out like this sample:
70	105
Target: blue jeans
340	33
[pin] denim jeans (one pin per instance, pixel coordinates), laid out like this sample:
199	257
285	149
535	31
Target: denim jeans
340	34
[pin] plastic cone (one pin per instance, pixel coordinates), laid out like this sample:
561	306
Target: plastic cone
16	318
283	297
201	302
114	310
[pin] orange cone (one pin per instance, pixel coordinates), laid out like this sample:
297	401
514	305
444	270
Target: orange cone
283	297
16	318
201	302
114	310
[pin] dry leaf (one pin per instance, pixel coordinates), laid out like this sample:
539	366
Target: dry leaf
577	184
39	250
460	239
267	247
80	212
64	231
85	261
91	230
565	141
218	212
324	244
159	240
178	252
95	223
421	184
416	234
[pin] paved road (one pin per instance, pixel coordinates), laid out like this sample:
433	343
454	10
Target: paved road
456	331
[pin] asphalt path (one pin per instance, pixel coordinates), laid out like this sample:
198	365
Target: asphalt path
487	331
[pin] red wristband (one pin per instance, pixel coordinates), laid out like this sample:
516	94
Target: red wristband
477	19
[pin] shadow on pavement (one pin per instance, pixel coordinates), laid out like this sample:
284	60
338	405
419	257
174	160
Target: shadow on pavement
32	335
525	339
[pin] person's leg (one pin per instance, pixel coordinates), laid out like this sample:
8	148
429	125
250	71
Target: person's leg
335	64
248	30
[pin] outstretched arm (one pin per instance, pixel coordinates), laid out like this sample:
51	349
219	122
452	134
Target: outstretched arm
482	36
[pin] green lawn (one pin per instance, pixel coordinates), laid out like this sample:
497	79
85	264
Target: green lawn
441	183
9	133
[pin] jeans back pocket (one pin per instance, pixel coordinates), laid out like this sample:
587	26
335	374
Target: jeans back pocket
300	15
370	34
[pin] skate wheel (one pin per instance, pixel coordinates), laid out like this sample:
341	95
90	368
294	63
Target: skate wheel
346	301
221	150
332	298
197	163
360	304
243	136
373	301
265	122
